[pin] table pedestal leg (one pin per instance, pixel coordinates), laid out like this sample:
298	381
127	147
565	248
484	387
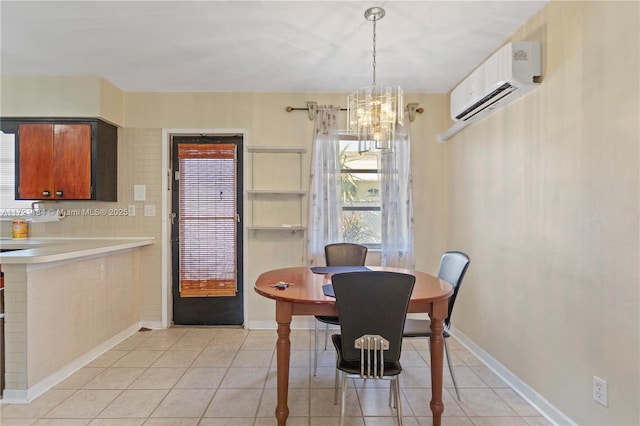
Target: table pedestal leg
283	352
437	349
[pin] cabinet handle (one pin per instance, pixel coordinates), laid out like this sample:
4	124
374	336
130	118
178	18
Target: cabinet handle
59	193
46	193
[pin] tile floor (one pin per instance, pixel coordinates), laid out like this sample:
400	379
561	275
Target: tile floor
227	376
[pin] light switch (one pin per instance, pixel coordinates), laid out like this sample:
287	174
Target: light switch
139	192
149	209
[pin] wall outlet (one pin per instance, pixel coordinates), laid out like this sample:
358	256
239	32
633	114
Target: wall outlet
600	391
149	210
131	210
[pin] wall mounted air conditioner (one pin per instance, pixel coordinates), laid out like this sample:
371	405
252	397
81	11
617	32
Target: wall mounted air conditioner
507	75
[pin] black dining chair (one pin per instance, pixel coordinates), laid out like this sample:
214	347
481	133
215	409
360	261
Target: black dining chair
372	307
453	267
337	254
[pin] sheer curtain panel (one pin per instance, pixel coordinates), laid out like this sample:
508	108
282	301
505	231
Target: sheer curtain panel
397	203
325	207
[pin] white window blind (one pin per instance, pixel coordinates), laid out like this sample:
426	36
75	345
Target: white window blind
207	220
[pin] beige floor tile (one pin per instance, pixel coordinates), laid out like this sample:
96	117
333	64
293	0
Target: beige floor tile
484	403
134	403
322	403
234	403
190	344
37	408
184	403
201	378
446	421
158	378
176	359
253	358
298	403
324	378
157	343
212	357
80	378
465	377
108	358
138	358
265	343
131	343
246	421
299	378
116	422
419	399
245	378
536	421
515	401
375	402
115	378
333	421
172	422
83	404
415	377
16	421
489	377
62	422
498	421
389	421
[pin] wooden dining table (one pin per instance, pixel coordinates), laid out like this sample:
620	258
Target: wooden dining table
304	296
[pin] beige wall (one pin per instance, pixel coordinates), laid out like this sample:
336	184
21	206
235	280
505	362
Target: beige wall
543	195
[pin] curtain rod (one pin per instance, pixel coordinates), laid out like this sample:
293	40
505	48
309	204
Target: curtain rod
312	106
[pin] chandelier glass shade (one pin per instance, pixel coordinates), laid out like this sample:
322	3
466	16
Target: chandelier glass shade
373	112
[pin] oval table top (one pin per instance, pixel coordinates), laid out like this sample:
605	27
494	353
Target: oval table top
305	286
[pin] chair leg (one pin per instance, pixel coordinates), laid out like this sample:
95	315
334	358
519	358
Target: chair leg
396	381
343	399
453	377
315	347
326	336
336	381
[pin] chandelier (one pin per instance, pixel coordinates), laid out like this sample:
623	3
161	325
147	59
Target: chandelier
374	111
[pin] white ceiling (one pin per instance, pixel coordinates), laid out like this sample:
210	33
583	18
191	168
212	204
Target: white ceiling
256	46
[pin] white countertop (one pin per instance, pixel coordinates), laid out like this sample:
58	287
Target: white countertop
43	250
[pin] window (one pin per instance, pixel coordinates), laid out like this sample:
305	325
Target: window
9	207
361	207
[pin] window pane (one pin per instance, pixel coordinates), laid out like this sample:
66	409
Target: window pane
362	227
360	195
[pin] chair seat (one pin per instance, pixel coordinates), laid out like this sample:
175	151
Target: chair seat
419	328
353	367
334	320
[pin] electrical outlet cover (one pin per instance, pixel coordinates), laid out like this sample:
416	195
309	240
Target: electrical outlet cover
600	391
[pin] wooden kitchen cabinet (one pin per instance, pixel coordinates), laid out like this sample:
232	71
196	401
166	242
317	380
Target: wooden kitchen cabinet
65	159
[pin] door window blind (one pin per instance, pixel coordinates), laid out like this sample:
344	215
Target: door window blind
207	220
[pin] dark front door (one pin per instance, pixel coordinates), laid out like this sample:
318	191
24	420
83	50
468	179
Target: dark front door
207	232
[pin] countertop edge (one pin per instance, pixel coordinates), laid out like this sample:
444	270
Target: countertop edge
66	249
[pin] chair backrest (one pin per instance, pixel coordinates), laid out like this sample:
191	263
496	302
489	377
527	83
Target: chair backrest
372	302
453	267
345	254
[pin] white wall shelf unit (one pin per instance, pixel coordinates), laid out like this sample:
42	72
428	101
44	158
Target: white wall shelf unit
275	188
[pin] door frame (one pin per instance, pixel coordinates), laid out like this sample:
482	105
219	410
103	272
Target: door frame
166	265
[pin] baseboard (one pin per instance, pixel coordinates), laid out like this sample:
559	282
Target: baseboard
550	412
23	396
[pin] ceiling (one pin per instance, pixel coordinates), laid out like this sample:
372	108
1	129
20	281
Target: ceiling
256	46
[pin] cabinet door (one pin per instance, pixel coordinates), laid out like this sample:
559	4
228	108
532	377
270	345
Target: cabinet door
36	167
72	161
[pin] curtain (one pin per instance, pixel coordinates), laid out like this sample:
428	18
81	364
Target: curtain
397	203
325	208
